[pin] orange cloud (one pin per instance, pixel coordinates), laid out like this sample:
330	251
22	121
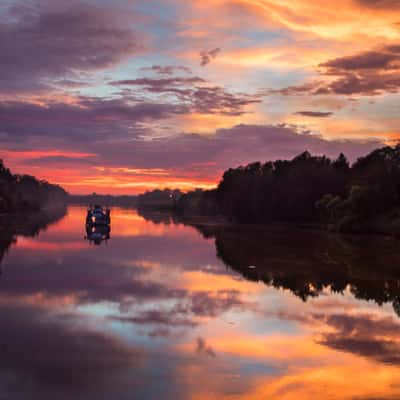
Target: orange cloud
322	19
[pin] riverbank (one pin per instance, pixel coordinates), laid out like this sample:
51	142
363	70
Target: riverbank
383	225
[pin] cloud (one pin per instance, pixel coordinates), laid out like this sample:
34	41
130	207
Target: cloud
207	56
158	317
364	335
367	60
316	114
94	285
167	69
199	99
60	161
90	361
89	119
160	85
130	285
229	147
209	305
185	312
203	348
39	44
216	100
357	21
113	131
368	73
117	132
380	4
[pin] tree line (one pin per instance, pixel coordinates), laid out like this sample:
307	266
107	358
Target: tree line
26	193
308	189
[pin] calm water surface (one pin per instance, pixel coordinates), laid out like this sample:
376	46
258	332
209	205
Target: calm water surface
164	310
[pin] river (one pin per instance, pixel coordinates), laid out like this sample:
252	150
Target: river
167	310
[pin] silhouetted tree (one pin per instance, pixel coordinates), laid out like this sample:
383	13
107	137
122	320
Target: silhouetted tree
25	192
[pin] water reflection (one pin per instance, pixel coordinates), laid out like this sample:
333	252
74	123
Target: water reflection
170	311
97	234
307	262
25	225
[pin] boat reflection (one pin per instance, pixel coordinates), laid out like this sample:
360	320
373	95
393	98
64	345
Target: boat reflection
97	234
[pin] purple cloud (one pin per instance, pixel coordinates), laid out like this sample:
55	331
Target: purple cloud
207	56
200	99
364	335
39	44
369	73
113	130
167	69
89	120
226	148
79	368
203	348
366	60
380	4
316	114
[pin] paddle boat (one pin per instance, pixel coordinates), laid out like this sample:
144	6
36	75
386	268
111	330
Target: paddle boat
96	216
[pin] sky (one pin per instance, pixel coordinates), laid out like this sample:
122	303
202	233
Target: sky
126	96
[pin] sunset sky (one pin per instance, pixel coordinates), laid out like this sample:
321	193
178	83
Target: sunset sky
129	95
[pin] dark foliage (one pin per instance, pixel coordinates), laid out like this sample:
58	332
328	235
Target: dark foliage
308	189
372	198
281	190
26	193
104	199
198	202
166	199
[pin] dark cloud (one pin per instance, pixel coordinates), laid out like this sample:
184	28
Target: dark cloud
369	73
207	56
184	312
379	4
90	119
200	99
39	44
216	100
316	114
296	90
90	281
366	60
211	305
58	355
60	161
389	397
364	335
161	85
203	348
112	130
167	69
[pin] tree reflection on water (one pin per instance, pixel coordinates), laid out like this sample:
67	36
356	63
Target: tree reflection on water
306	261
27	225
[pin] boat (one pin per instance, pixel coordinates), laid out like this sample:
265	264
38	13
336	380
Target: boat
96	216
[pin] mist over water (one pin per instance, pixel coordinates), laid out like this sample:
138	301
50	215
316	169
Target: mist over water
163	309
